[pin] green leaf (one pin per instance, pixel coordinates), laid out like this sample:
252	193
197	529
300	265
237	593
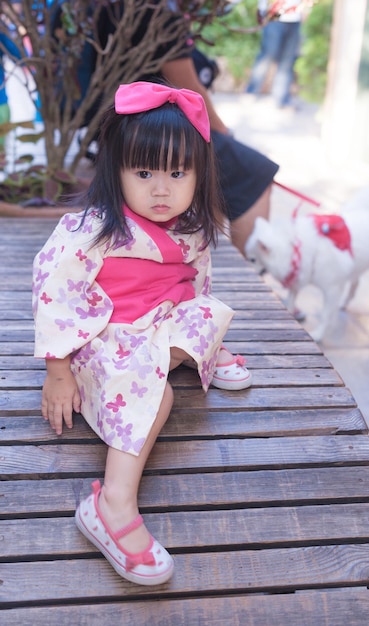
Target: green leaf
30	138
25	158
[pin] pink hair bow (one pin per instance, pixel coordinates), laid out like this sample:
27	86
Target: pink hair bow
144	96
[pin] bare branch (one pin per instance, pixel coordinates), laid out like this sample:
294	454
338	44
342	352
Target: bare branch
143	36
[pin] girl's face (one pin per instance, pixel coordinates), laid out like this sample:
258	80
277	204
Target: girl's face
158	195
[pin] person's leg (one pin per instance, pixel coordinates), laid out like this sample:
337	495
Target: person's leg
242	227
269	52
123	472
283	78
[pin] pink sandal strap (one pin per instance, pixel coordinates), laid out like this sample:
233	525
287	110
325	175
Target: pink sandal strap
138	521
236	359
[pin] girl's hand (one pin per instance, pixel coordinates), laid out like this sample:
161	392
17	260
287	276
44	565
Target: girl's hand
60	395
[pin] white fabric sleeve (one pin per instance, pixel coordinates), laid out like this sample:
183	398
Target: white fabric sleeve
69	307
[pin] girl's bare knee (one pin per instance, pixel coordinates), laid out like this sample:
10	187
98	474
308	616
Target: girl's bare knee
177	356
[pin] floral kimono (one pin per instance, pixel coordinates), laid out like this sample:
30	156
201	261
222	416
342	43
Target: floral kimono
117	309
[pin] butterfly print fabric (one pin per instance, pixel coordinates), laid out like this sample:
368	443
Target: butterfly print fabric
121	368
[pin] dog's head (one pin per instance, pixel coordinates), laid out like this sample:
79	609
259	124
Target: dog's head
259	244
268	247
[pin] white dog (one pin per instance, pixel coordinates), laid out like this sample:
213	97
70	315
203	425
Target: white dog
329	251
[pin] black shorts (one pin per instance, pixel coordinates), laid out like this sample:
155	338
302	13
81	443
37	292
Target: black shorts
244	173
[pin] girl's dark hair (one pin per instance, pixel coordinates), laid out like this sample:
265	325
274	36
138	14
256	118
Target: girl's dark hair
161	138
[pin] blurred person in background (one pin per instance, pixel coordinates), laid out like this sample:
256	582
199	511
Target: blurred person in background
280	45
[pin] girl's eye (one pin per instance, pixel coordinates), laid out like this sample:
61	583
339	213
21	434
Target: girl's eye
144	174
177	174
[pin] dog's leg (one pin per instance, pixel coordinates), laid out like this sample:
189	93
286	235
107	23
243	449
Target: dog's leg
292	308
290	302
331	297
350	293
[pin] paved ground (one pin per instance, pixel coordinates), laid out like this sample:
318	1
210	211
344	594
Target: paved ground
293	139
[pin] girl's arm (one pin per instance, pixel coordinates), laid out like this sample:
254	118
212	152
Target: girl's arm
69	306
60	395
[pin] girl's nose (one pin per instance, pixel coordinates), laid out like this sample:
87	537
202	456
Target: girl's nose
160	185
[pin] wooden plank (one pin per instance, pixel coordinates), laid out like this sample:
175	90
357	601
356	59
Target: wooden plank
242	323
31	379
254	361
202	425
16	348
276	361
270	334
9	308
300	397
240	302
243	295
246	272
190	456
17	325
240	571
260	488
23	330
22	362
242	347
183	377
264	528
15	314
273	347
29	401
305	608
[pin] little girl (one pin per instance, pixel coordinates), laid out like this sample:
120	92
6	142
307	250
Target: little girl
122	296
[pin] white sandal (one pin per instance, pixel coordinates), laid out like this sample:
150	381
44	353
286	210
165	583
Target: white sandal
152	566
233	375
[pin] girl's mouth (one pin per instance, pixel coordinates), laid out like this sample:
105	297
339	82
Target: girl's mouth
160	208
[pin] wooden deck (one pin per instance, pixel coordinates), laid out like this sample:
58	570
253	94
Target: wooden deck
262	495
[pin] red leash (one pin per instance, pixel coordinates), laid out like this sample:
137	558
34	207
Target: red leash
298	194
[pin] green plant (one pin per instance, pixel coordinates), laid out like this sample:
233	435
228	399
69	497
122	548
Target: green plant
311	66
27	183
53	58
235	37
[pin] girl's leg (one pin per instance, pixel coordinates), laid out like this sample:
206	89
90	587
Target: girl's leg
123	471
283	78
269	52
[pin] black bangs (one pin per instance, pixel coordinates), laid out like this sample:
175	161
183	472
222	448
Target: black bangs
160	139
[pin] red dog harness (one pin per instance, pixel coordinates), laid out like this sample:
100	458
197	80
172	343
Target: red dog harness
334	227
